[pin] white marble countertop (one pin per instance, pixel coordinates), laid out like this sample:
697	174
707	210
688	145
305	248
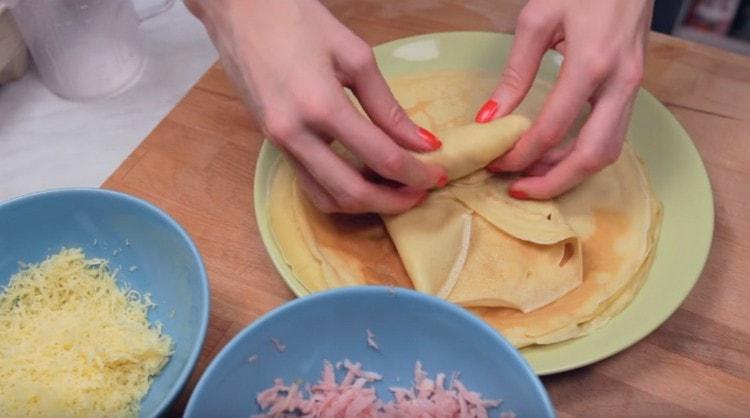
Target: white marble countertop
48	142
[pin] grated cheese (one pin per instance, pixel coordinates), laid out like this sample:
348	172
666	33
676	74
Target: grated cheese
74	344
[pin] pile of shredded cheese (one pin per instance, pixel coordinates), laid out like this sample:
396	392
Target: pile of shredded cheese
72	343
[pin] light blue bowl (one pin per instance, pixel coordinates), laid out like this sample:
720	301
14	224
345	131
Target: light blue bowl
408	326
128	232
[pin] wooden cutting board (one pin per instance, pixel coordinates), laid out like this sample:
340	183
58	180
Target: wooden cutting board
198	165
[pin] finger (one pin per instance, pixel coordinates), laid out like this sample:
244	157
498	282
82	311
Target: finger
380	152
376	98
313	190
560	110
598	145
532	38
344	184
334	116
549	160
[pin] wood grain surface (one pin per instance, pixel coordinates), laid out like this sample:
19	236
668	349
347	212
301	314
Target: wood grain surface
198	165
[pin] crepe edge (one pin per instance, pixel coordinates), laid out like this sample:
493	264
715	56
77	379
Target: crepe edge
458	265
601	316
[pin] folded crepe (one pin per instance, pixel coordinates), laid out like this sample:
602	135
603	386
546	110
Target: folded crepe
524	254
474	245
468	148
618	220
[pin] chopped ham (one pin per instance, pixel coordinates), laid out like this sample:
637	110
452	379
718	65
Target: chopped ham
353	397
371	341
278	345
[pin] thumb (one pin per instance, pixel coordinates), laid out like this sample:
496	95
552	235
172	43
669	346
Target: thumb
376	99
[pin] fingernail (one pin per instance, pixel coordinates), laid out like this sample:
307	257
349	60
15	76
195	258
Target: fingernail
487	112
442	181
518	194
432	141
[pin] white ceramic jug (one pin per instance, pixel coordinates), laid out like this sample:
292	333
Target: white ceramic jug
85	49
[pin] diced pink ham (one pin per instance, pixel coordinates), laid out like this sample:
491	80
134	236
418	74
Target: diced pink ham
371	341
280	347
353	398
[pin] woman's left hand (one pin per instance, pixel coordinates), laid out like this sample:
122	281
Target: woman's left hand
603	43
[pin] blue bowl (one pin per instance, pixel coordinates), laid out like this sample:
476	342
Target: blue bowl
128	232
408	326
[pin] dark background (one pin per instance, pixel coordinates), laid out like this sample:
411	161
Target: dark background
721	23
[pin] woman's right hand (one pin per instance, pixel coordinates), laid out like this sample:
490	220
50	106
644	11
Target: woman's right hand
290	60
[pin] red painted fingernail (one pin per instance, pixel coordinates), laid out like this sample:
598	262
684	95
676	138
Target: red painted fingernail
442	181
487	112
518	194
432	141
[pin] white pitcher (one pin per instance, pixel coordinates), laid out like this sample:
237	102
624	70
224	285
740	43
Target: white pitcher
85	49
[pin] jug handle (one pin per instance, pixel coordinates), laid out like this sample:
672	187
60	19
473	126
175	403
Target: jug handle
154	10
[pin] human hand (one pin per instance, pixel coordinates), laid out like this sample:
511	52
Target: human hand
603	43
290	60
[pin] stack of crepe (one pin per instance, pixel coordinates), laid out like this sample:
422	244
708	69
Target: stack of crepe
539	272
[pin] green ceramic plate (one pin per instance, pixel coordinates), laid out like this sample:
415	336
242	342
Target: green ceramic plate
676	170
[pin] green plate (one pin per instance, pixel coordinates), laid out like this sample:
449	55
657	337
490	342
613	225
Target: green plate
676	171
